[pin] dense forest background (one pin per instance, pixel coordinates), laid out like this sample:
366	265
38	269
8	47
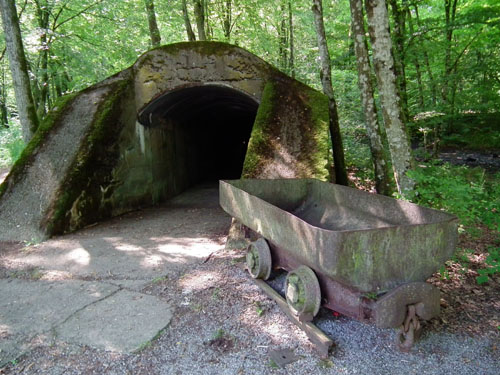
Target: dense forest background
446	53
447	65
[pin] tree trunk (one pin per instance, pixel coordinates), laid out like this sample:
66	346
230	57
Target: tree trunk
381	166
399	58
187	22
326	80
450	9
416	61
4	119
283	38
428	66
227	23
42	12
402	160
199	13
209	31
291	63
154	32
18	66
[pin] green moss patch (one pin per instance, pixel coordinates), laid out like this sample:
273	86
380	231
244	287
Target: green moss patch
259	146
319	114
82	190
291	110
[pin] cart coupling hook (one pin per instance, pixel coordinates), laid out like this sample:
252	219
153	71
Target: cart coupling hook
406	334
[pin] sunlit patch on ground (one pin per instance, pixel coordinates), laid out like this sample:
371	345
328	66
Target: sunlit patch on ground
198	281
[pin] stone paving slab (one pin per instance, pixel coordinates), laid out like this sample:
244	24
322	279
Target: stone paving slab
117	259
123	322
29	308
97	314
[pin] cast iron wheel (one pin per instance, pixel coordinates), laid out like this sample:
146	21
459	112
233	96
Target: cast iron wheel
259	262
303	293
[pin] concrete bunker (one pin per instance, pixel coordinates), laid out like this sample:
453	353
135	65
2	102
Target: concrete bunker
182	114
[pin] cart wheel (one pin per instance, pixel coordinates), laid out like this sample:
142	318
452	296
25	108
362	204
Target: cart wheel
303	293
259	262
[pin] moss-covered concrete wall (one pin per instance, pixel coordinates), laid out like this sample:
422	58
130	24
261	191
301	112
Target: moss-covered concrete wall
290	134
92	159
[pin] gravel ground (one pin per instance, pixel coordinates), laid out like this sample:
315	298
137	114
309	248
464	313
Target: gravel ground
223	324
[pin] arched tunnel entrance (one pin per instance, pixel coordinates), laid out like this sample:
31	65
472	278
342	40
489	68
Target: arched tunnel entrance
199	134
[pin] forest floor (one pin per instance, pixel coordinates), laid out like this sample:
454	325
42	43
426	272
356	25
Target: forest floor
222	323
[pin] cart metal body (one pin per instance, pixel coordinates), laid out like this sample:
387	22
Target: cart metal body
371	254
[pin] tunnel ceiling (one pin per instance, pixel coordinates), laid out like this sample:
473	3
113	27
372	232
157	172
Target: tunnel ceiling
193	102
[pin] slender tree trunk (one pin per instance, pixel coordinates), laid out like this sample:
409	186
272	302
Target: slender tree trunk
227	23
381	165
199	13
399	58
19	68
291	63
416	61
432	82
4	119
283	38
208	28
43	11
154	32
326	80
450	9
187	22
399	145
57	78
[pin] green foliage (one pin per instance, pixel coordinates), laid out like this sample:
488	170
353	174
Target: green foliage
160	279
466	192
11	145
273	364
493	262
50	121
216	294
472	131
325	363
219	334
357	149
259	309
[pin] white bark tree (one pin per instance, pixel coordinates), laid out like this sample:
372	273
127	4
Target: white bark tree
397	137
19	69
381	167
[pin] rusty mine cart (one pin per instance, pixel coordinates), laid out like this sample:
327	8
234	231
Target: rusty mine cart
364	255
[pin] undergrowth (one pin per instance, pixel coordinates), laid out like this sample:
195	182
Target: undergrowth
11	144
469	193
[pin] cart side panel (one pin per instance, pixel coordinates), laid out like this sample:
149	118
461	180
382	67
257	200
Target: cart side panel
302	241
380	260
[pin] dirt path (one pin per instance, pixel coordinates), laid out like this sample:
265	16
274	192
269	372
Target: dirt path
221	323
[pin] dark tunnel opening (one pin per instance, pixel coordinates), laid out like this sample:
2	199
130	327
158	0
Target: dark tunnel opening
202	134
